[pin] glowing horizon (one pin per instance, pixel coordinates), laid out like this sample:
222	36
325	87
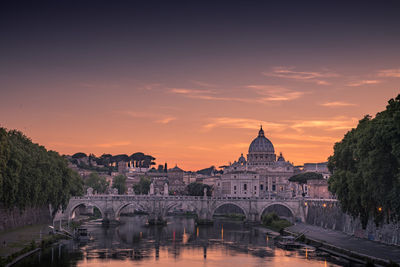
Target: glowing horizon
189	83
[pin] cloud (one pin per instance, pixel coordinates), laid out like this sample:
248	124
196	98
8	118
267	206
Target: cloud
241	123
290	73
261	94
337	104
151	86
337	123
310	138
363	82
163	119
203	84
275	93
389	73
166	120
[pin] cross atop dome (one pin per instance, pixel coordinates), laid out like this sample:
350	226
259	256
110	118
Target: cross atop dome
261	132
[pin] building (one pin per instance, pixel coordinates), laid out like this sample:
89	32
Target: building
262	174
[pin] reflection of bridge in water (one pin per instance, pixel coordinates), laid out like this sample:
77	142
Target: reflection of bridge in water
158	206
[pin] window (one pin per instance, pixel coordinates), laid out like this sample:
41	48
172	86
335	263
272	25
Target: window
273	187
234	187
245	187
261	187
255	187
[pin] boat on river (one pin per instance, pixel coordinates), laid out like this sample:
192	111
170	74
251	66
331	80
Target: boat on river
81	234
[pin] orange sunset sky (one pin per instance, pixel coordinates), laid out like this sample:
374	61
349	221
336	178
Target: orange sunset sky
192	88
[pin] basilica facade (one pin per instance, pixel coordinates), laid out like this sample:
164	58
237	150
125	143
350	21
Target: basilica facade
262	174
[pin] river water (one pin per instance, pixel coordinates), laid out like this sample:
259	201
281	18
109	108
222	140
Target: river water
227	243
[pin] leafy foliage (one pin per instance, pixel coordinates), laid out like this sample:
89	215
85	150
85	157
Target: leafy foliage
97	182
143	187
32	176
119	182
365	167
302	178
272	221
197	189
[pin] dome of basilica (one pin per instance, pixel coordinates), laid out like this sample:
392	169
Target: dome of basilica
261	144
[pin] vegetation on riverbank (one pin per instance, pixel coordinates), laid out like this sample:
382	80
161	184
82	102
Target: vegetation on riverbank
234	216
31	176
365	167
273	222
46	242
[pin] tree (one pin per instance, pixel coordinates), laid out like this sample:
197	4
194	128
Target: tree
79	155
197	189
98	183
143	187
160	168
302	178
119	182
31	176
365	167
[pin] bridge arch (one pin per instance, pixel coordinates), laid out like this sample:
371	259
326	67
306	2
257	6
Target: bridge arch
124	205
230	203
83	203
281	209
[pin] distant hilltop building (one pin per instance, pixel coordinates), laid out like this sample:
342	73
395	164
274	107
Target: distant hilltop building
263	174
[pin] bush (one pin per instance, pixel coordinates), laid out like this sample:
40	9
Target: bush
272	221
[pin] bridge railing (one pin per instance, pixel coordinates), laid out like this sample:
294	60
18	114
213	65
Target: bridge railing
191	198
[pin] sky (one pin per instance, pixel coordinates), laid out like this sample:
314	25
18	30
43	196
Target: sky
190	82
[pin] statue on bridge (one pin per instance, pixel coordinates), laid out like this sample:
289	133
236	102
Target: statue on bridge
151	192
89	191
131	191
166	189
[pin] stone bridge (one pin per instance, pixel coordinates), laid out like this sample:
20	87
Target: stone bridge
158	206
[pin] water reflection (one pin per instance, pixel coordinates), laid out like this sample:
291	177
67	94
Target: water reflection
180	243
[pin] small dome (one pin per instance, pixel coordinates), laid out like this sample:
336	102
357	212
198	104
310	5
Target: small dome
281	158
261	144
242	159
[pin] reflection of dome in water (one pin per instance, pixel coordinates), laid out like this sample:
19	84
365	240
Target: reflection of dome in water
261	144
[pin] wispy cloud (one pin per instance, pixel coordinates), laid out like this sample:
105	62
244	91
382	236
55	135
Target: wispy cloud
363	82
166	120
151	86
275	93
241	123
261	94
163	119
337	104
337	123
291	73
389	73
203	84
310	138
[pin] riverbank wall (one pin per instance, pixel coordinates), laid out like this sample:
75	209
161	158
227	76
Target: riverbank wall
15	217
330	216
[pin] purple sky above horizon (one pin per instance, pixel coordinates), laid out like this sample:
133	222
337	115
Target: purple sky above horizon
191	82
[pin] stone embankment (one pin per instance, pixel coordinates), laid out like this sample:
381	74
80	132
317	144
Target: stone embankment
15	217
345	246
330	216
